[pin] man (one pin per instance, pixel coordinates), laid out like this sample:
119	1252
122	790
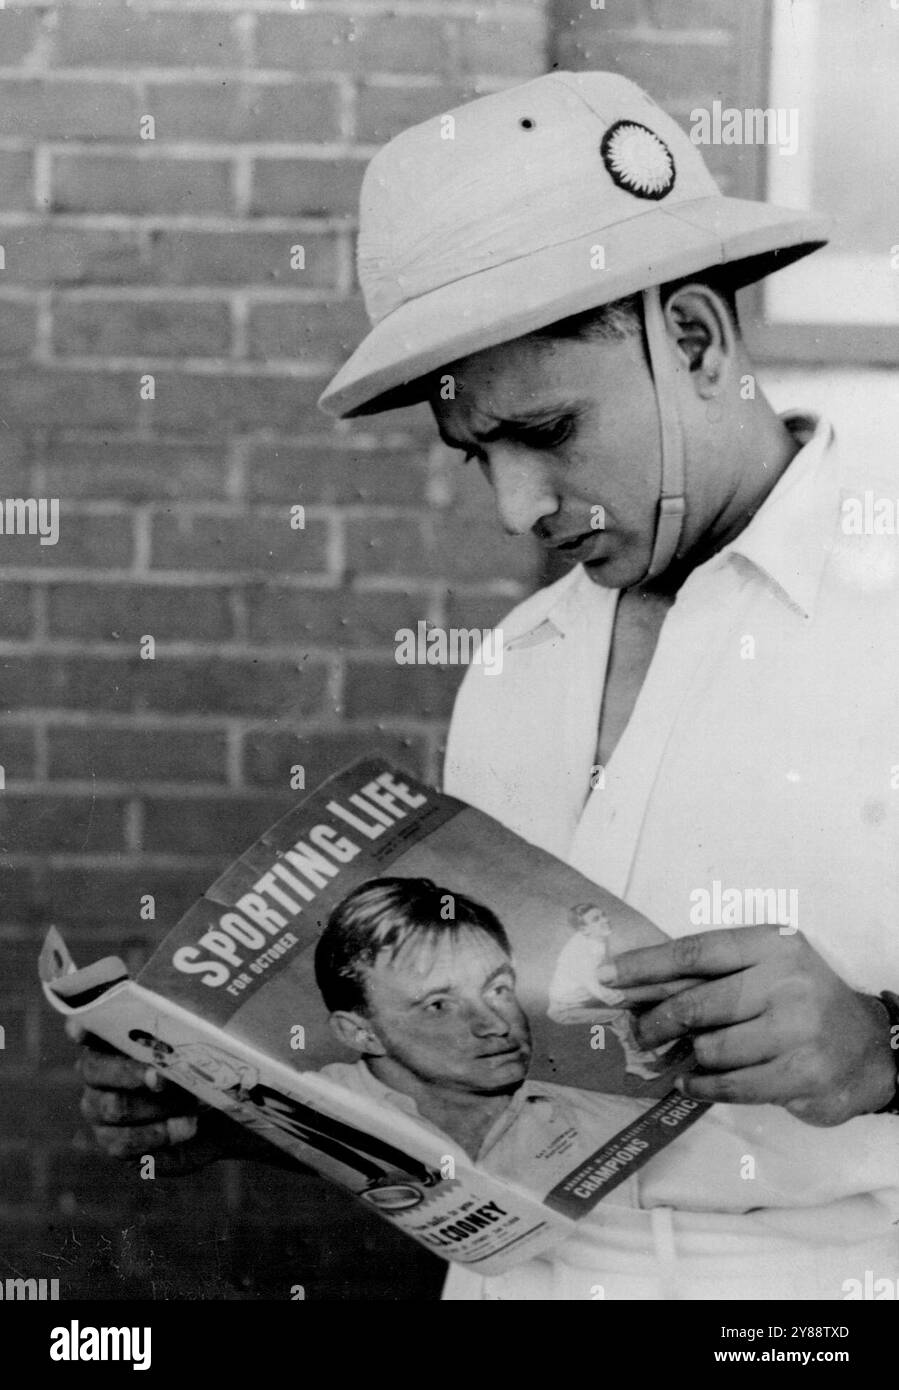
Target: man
430	1006
576	995
560	287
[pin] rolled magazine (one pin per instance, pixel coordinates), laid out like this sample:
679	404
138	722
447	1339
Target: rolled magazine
399	992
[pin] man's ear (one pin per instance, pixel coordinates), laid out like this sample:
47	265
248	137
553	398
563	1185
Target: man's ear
698	320
355	1031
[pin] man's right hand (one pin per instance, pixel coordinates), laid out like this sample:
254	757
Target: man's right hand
133	1111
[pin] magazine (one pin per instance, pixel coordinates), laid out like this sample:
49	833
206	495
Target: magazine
402	994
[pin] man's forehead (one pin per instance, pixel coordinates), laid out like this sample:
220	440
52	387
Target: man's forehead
505	370
527	377
422	965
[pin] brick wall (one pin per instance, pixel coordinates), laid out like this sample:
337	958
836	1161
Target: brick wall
127	258
686	53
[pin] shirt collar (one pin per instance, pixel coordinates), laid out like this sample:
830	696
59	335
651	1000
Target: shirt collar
788	539
529	1091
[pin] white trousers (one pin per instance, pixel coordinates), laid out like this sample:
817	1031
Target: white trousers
662	1254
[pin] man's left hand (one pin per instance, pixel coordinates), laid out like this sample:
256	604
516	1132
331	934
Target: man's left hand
769	1021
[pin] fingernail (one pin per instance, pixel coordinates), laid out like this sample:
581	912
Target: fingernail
152	1080
607	974
181	1127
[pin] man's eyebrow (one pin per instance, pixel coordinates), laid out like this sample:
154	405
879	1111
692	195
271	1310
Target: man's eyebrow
507	968
510	424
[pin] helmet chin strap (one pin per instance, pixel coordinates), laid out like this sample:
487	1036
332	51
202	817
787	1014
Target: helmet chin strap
672	502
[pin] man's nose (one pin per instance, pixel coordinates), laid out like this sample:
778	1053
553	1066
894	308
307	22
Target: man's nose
522	490
487	1022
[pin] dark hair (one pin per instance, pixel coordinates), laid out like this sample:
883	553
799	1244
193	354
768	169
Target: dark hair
139	1035
623	318
377	919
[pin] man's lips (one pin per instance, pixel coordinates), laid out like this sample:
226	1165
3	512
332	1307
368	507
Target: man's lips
512	1051
573	542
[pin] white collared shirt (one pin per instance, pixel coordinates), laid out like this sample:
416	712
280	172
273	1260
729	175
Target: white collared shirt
762	754
544	1132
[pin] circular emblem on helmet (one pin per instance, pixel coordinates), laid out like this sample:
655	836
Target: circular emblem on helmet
638	160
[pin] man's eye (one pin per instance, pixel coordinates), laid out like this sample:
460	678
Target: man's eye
548	436
435	1006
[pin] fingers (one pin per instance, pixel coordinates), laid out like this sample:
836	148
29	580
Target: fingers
745	1045
713	1004
653	994
114	1071
790	1079
133	1141
707	954
121	1107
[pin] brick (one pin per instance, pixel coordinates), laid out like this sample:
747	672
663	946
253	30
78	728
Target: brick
243	257
332	617
113	35
326	473
16	610
17	1018
33	821
20	908
18	33
93	1181
16	185
137	755
224	685
478	610
239	111
40	108
126	612
327	42
382	112
42	681
207	825
689	70
137	470
516	47
269	757
247	543
17	754
148	184
45	254
17	1183
216	405
110	899
19	960
700	14
15	464
321	332
384	688
175	684
19	329
470	548
57	396
92	542
128	327
306	187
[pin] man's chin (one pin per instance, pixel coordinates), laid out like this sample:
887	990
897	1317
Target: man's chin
503	1073
615	571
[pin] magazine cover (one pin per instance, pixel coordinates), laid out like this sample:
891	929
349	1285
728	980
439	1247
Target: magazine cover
395	989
